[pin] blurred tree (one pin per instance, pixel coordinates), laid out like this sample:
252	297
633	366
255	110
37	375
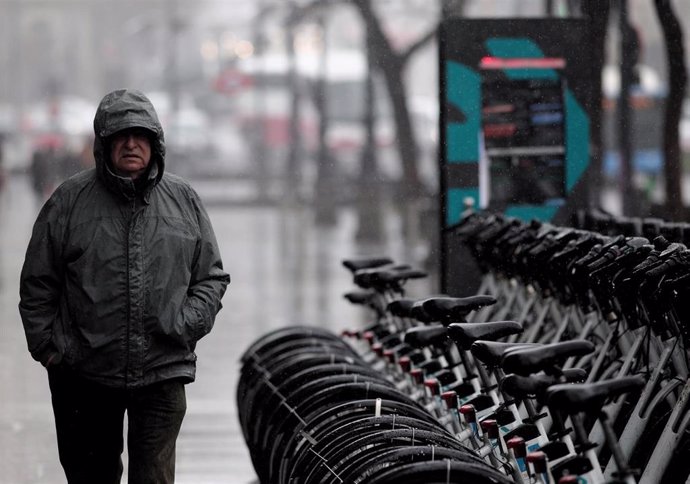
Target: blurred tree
325	163
391	64
259	135
370	219
325	167
293	166
678	79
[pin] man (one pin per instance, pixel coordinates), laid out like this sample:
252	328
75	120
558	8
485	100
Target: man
122	277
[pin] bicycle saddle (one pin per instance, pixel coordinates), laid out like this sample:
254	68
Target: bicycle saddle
536	385
545	357
401	307
418	312
491	352
359	263
590	397
467	333
401	275
367	278
455	308
423	336
359	297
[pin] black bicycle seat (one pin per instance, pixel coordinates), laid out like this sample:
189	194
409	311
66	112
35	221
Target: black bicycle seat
590	397
359	297
455	308
491	352
536	385
374	277
547	357
359	263
464	334
401	307
423	336
395	276
418	312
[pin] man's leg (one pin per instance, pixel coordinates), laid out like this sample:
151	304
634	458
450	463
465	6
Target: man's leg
89	423
154	416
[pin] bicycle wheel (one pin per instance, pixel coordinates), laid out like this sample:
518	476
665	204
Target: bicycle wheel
443	472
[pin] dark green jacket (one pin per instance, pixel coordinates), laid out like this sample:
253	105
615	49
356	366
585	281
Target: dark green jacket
121	280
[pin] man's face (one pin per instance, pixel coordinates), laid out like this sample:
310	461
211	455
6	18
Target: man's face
130	152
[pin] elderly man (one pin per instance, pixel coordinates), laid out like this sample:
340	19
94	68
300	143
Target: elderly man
122	277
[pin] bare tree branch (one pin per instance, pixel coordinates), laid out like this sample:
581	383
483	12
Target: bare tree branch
379	43
418	44
301	12
390	64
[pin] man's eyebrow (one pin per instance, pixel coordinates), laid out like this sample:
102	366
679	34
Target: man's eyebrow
135	131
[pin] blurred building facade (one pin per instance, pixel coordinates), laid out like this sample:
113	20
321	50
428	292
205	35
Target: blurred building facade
88	47
84	48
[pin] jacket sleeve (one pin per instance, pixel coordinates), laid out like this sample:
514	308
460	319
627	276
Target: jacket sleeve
208	281
41	283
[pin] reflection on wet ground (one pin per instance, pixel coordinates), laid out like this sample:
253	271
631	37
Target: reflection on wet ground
284	271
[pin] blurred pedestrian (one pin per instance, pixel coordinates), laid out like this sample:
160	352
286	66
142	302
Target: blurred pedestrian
122	277
86	159
70	164
45	167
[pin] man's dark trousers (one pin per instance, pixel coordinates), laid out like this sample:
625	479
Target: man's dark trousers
89	420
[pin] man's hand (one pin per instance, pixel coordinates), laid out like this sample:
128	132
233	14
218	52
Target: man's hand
53	359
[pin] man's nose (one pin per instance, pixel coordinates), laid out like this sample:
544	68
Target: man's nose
130	140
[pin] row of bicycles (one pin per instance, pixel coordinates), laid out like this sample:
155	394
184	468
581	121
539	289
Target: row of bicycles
569	366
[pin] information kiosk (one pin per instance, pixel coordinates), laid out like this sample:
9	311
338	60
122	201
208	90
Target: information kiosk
515	131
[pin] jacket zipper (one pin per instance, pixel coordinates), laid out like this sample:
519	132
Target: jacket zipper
129	296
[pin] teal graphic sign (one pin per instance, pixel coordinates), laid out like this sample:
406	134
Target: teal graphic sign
515	129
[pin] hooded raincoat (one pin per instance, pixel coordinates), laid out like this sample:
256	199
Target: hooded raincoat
122	278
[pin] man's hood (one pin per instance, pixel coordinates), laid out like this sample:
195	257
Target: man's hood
123	109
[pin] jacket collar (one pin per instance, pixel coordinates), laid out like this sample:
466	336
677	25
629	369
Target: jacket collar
129	188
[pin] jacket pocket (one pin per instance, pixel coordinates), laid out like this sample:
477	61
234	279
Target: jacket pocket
64	337
167	329
195	322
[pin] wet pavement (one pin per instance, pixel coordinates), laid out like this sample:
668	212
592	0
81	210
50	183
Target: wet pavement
284	270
